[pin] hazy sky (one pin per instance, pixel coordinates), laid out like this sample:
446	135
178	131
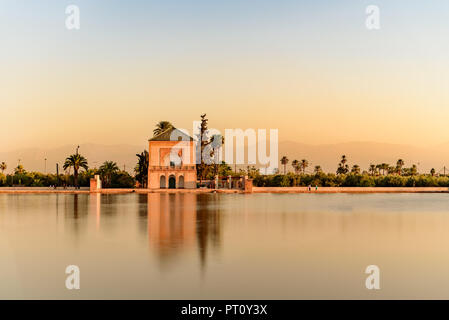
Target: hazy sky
309	68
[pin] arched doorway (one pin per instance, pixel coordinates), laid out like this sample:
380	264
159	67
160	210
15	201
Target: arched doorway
163	183
181	182
172	182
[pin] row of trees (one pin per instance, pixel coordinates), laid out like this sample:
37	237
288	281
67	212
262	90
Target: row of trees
111	175
344	168
349	180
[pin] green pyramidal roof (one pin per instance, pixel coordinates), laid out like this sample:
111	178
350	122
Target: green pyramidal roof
172	134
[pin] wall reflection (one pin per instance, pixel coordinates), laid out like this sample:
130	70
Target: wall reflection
179	223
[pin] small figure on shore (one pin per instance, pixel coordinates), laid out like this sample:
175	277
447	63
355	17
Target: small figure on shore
316	187
309	187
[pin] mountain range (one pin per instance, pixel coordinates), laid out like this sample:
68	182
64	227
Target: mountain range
325	155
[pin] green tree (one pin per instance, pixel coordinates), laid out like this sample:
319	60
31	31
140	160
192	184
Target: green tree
141	168
317	170
203	168
304	165
77	162
19	170
432	172
355	169
296	166
372	169
107	170
343	167
284	161
399	164
162	126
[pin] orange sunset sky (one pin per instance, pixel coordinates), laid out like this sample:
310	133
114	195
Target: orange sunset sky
310	69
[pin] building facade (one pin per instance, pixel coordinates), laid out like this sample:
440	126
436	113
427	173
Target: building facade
172	161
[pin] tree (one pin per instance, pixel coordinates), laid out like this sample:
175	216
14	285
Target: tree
217	141
414	170
355	169
432	171
19	169
141	168
372	169
107	170
3	167
284	161
296	166
343	167
317	169
384	167
77	162
203	168
304	165
162	126
399	165
343	160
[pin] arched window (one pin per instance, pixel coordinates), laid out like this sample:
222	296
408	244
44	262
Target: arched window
162	182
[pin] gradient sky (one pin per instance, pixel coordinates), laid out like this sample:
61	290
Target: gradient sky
309	68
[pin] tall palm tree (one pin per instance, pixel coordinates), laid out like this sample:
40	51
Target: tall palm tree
162	126
432	171
141	168
107	170
77	162
3	167
296	166
384	168
399	165
284	161
317	169
304	165
372	169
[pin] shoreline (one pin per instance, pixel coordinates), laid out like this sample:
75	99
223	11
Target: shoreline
355	190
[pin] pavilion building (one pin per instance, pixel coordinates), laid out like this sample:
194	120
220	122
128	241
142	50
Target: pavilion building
172	161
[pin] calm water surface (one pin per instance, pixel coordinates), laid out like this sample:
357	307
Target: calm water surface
222	246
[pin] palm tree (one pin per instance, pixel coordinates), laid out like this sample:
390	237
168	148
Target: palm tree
77	162
304	165
372	169
432	171
3	167
284	161
384	167
343	160
141	168
107	170
296	166
19	169
399	165
317	169
343	168
355	169
162	126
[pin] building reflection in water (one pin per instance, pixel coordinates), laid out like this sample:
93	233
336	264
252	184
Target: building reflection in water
182	222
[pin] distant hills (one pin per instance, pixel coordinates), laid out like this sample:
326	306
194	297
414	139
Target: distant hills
325	155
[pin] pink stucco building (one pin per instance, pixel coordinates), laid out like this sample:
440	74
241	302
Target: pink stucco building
172	161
